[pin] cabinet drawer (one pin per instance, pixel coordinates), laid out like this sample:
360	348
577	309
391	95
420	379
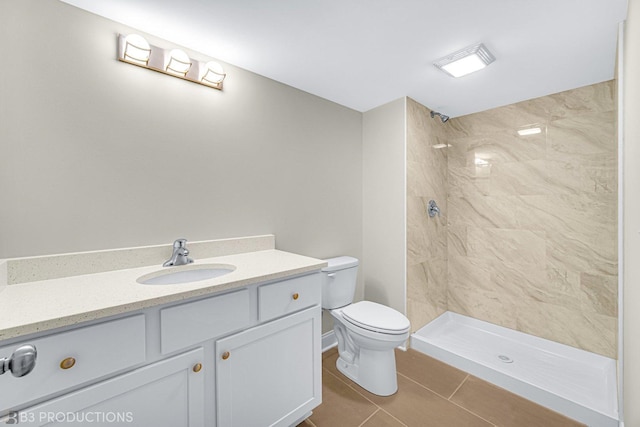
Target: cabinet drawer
191	323
97	351
278	299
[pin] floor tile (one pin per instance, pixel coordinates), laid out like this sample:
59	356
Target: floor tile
382	419
341	405
329	353
430	394
329	363
431	373
506	409
417	406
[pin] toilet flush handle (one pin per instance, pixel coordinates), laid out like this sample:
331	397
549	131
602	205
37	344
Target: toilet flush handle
331	274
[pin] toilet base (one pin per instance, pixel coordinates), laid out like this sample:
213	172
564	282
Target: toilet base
373	370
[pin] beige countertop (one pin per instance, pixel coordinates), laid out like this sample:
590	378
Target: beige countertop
41	305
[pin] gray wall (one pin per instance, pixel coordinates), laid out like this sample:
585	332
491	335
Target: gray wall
384	202
99	154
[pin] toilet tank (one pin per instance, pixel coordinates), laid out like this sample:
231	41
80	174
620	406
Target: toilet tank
339	281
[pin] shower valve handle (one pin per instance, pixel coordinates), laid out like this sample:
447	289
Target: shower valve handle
433	209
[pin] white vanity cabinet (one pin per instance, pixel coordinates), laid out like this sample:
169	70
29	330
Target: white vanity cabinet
245	357
270	374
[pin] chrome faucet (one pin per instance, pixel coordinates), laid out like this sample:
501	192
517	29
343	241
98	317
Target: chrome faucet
180	254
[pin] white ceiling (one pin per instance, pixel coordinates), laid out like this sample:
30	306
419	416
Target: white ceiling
364	53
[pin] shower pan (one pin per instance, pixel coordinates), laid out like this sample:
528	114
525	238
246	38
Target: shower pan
573	382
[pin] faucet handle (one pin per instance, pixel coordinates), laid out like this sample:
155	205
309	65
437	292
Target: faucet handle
180	243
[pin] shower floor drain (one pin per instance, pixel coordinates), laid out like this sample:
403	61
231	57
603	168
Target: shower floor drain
505	359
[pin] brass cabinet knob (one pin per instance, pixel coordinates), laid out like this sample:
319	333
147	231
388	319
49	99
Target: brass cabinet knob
197	367
295	296
225	355
68	363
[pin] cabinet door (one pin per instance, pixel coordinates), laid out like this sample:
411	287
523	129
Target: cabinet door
270	375
168	393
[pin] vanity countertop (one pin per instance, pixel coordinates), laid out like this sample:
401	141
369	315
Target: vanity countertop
41	305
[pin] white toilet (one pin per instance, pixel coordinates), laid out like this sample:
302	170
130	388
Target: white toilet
367	332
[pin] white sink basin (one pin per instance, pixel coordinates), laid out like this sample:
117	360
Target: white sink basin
187	275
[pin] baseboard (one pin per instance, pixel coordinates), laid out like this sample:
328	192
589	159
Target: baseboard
329	341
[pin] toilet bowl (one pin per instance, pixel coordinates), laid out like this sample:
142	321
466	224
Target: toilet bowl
367	332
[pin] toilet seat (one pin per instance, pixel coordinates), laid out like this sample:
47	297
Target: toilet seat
376	318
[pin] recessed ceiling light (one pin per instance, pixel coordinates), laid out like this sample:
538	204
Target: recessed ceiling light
465	61
529	131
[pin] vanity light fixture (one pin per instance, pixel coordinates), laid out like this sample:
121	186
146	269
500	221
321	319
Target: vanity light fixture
134	49
465	61
529	131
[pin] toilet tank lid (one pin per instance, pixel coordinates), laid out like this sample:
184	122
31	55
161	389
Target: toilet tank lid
340	263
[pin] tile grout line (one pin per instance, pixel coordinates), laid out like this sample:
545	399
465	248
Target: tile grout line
466	409
378	408
351	387
393	417
458	388
473	413
415	382
450	401
369	417
423	386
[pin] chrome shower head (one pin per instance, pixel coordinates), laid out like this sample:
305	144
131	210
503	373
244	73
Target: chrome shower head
443	118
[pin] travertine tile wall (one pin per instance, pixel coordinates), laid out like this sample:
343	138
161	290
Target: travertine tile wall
426	237
532	233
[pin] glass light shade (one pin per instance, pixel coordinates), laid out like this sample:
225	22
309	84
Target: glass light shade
213	74
464	66
465	61
136	49
179	63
